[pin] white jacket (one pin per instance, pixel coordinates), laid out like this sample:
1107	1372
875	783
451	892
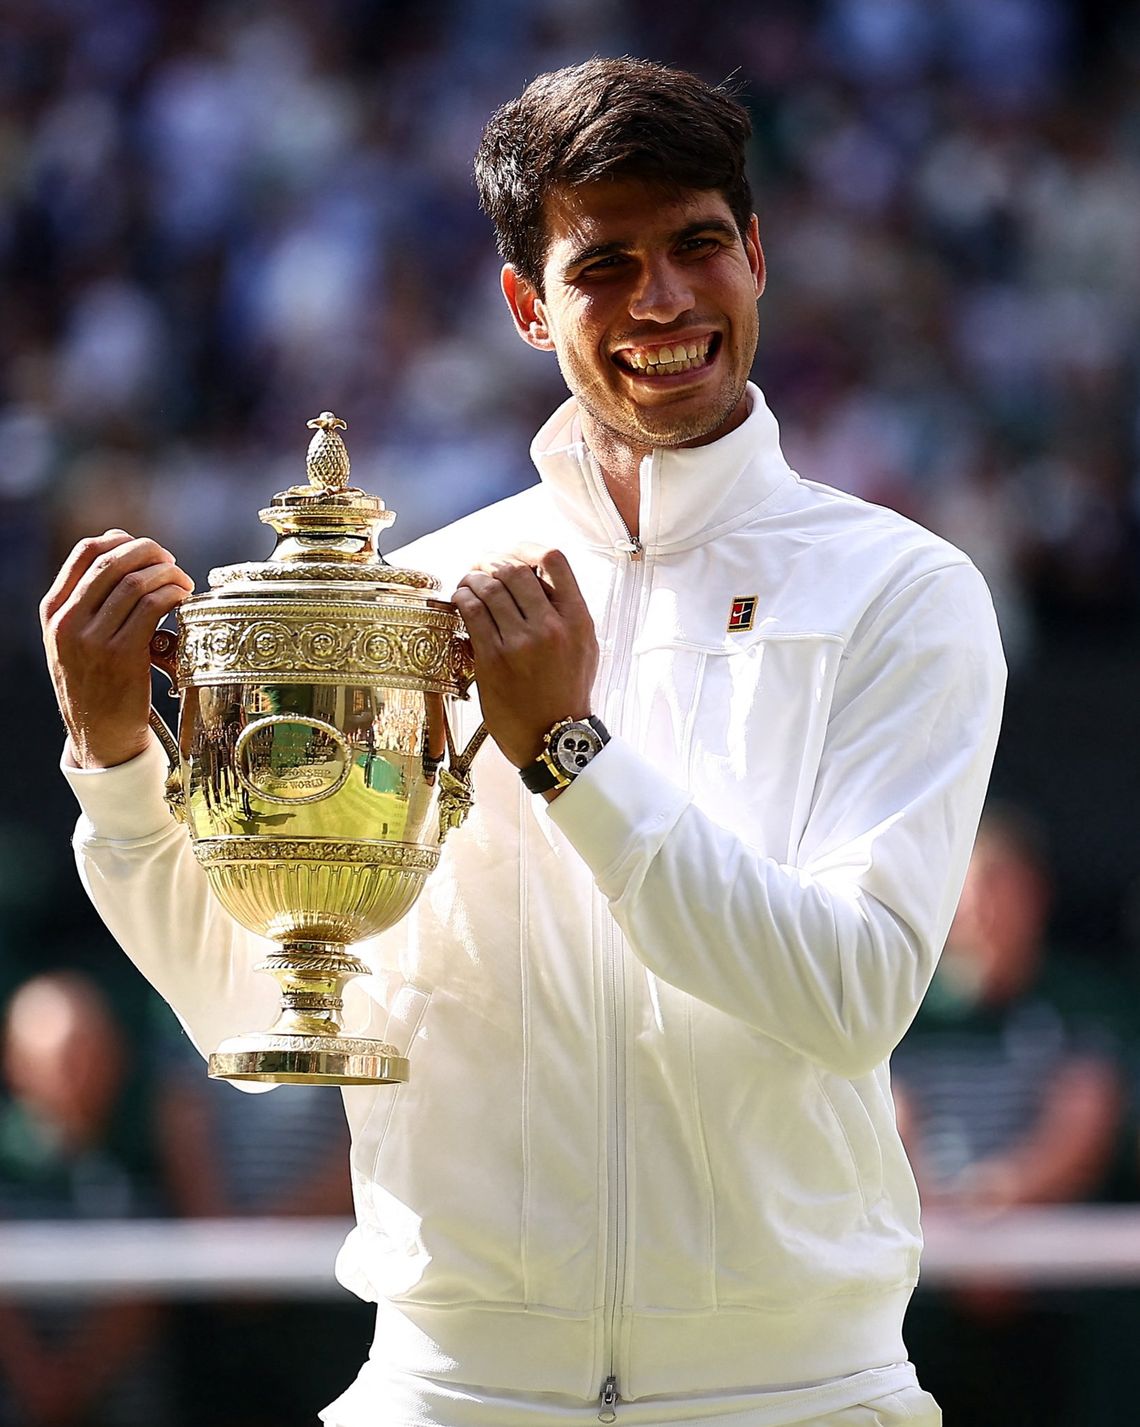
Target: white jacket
649	1131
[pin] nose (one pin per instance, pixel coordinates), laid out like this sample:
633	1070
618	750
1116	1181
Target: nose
662	293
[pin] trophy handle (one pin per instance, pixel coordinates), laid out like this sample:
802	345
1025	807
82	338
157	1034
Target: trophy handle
163	649
455	795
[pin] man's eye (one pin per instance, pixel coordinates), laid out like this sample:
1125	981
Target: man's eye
603	266
699	245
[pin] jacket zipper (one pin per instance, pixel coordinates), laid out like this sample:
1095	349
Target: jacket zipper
615	1010
616	1178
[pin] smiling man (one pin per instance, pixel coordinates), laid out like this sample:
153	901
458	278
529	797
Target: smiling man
646	1169
649	301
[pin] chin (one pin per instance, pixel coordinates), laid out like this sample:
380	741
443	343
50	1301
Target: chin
677	429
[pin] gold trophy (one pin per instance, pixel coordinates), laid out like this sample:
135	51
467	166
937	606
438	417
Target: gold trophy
315	766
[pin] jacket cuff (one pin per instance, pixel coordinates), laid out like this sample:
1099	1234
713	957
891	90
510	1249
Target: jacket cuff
616	814
124	803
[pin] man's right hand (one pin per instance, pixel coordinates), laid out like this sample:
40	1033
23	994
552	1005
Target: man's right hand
98	619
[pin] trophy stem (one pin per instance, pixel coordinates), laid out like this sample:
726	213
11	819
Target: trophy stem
305	1045
312	975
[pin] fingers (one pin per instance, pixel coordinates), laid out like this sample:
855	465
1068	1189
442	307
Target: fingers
146	614
95	571
76	566
553	572
113	568
149	588
537	580
511	591
473	611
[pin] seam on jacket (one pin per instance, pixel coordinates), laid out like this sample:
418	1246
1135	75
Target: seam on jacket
688	724
859	635
599	923
726	526
626	1291
524	823
842	1127
777	1307
726	650
706	1162
491	1305
386	1104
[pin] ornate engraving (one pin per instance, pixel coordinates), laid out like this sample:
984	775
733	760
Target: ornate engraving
306	570
406	857
328	463
288	758
326	643
311	1001
297	964
455	799
461	663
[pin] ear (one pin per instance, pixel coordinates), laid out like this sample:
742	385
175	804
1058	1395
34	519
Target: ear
527	309
755	254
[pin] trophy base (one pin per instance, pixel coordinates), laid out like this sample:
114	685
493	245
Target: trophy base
308	1060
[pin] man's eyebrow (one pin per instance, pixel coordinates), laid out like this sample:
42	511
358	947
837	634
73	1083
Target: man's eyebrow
588	255
581	256
706	225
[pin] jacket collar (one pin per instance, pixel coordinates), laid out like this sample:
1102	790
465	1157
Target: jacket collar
687	496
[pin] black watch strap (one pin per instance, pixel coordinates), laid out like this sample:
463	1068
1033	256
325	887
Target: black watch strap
540	776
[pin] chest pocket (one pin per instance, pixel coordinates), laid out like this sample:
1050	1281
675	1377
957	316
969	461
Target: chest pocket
740	723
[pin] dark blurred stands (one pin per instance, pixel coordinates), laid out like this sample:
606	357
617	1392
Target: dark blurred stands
217	219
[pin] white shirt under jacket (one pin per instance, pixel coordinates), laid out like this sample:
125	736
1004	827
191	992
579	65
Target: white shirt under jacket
649	1131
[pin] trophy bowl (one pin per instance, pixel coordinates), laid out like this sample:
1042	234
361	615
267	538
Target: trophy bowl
314	765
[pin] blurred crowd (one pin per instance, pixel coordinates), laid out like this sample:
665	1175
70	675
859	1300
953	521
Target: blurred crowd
217	219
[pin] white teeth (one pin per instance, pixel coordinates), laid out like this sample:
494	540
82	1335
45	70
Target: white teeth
666	361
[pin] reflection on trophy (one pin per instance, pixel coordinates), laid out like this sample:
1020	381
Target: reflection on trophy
314	764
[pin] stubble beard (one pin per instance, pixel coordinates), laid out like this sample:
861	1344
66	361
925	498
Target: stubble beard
624	424
668	430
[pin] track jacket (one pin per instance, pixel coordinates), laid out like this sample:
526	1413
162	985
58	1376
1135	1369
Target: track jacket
648	1139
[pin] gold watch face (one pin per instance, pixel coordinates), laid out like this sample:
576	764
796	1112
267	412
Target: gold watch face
572	747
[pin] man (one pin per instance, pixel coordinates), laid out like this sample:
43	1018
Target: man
646	1168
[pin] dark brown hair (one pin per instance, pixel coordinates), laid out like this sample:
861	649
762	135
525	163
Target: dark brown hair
607	118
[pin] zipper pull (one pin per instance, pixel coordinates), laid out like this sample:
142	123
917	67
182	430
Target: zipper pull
631	546
609	1400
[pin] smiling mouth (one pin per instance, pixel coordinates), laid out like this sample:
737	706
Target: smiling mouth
669	359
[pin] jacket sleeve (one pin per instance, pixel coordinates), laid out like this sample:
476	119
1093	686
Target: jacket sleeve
829	955
139	869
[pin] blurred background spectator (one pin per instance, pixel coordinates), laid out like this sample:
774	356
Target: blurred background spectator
1010	1090
220	217
74	1145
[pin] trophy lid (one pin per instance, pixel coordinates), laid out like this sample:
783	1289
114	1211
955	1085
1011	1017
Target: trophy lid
326	529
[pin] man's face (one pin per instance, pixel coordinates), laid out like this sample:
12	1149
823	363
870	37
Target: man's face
650	305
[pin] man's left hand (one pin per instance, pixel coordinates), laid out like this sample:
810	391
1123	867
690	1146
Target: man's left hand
536	652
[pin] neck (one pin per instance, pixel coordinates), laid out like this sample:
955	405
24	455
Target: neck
620	465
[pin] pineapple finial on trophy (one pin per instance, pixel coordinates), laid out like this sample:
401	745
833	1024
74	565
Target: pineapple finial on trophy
327	464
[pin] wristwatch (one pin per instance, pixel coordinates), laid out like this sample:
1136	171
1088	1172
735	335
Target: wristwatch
570	745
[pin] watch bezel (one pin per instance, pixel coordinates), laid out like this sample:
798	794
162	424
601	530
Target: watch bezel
553	753
547	772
